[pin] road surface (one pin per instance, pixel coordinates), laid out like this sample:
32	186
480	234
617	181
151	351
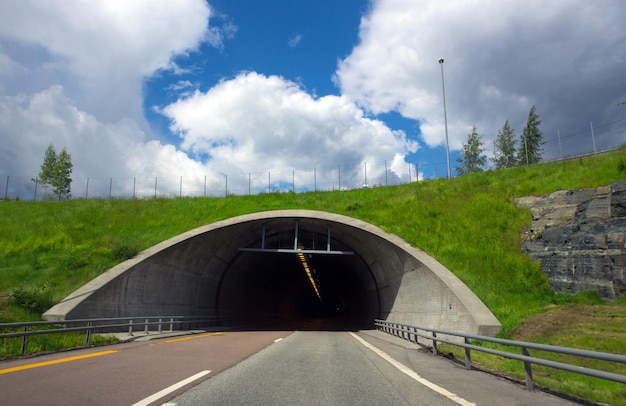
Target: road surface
257	367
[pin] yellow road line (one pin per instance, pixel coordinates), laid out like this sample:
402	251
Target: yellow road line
193	336
56	361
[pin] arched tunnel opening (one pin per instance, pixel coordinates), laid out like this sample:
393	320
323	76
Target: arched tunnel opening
284	267
278	285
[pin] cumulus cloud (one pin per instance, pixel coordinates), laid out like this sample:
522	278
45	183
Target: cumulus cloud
501	57
100	151
255	121
100	50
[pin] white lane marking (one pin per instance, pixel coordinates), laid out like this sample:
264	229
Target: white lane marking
170	389
413	374
278	339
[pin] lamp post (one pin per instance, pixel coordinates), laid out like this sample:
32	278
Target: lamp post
445	116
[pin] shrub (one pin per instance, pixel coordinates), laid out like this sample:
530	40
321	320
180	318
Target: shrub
36	300
124	250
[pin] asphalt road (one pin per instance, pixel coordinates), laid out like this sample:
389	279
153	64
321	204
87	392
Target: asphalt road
128	373
362	368
260	368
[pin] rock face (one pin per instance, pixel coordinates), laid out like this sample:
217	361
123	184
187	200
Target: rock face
578	237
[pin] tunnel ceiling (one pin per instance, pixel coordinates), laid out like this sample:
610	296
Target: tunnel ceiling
254	267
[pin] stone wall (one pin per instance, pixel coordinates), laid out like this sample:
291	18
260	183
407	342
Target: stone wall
578	237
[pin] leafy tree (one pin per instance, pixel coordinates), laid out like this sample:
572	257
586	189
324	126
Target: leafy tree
504	155
62	181
46	175
56	171
471	158
530	150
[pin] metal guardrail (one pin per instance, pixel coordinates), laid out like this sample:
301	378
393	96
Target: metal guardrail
106	325
412	334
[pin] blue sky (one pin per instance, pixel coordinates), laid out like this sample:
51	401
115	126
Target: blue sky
227	91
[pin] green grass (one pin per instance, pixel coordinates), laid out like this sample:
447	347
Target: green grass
468	223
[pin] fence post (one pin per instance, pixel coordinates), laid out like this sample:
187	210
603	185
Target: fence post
528	370
593	138
110	188
87	190
88	338
6	189
468	358
24	341
339	176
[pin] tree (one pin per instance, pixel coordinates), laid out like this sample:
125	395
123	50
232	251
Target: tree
471	157
504	155
62	175
46	175
530	150
56	171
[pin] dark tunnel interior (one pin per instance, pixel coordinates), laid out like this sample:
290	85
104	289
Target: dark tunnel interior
274	288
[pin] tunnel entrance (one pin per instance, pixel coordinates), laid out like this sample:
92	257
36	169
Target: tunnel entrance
248	270
296	277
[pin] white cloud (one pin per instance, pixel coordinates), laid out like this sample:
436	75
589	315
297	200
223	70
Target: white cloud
100	151
294	40
254	121
107	46
501	57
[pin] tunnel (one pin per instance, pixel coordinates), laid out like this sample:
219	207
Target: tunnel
284	267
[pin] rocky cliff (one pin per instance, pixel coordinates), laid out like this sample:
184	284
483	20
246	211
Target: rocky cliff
578	237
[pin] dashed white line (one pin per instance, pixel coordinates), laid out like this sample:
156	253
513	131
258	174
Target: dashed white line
170	389
413	374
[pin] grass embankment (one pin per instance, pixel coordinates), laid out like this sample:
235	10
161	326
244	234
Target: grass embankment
469	224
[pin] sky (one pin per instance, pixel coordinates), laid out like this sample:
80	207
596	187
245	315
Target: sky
232	93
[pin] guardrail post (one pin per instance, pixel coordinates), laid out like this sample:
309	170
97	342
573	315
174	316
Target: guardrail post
145	328
171	324
160	328
130	327
468	358
528	369
435	343
88	338
415	334
24	341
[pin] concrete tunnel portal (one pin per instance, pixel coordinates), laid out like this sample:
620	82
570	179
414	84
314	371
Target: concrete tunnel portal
283	267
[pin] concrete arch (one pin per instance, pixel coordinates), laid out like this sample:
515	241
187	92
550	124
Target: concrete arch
220	269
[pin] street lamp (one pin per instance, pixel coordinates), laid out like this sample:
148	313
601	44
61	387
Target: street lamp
445	116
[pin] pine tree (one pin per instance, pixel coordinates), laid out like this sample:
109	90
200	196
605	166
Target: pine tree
530	150
471	157
504	155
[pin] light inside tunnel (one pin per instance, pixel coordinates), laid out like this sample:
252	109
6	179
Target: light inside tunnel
307	270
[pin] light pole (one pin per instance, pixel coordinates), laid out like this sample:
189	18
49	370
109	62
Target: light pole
445	116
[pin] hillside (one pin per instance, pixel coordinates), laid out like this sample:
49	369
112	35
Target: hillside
469	224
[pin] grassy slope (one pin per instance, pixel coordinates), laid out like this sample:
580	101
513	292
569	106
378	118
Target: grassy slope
468	223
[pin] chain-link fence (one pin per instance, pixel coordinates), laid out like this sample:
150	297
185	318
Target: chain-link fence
557	145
